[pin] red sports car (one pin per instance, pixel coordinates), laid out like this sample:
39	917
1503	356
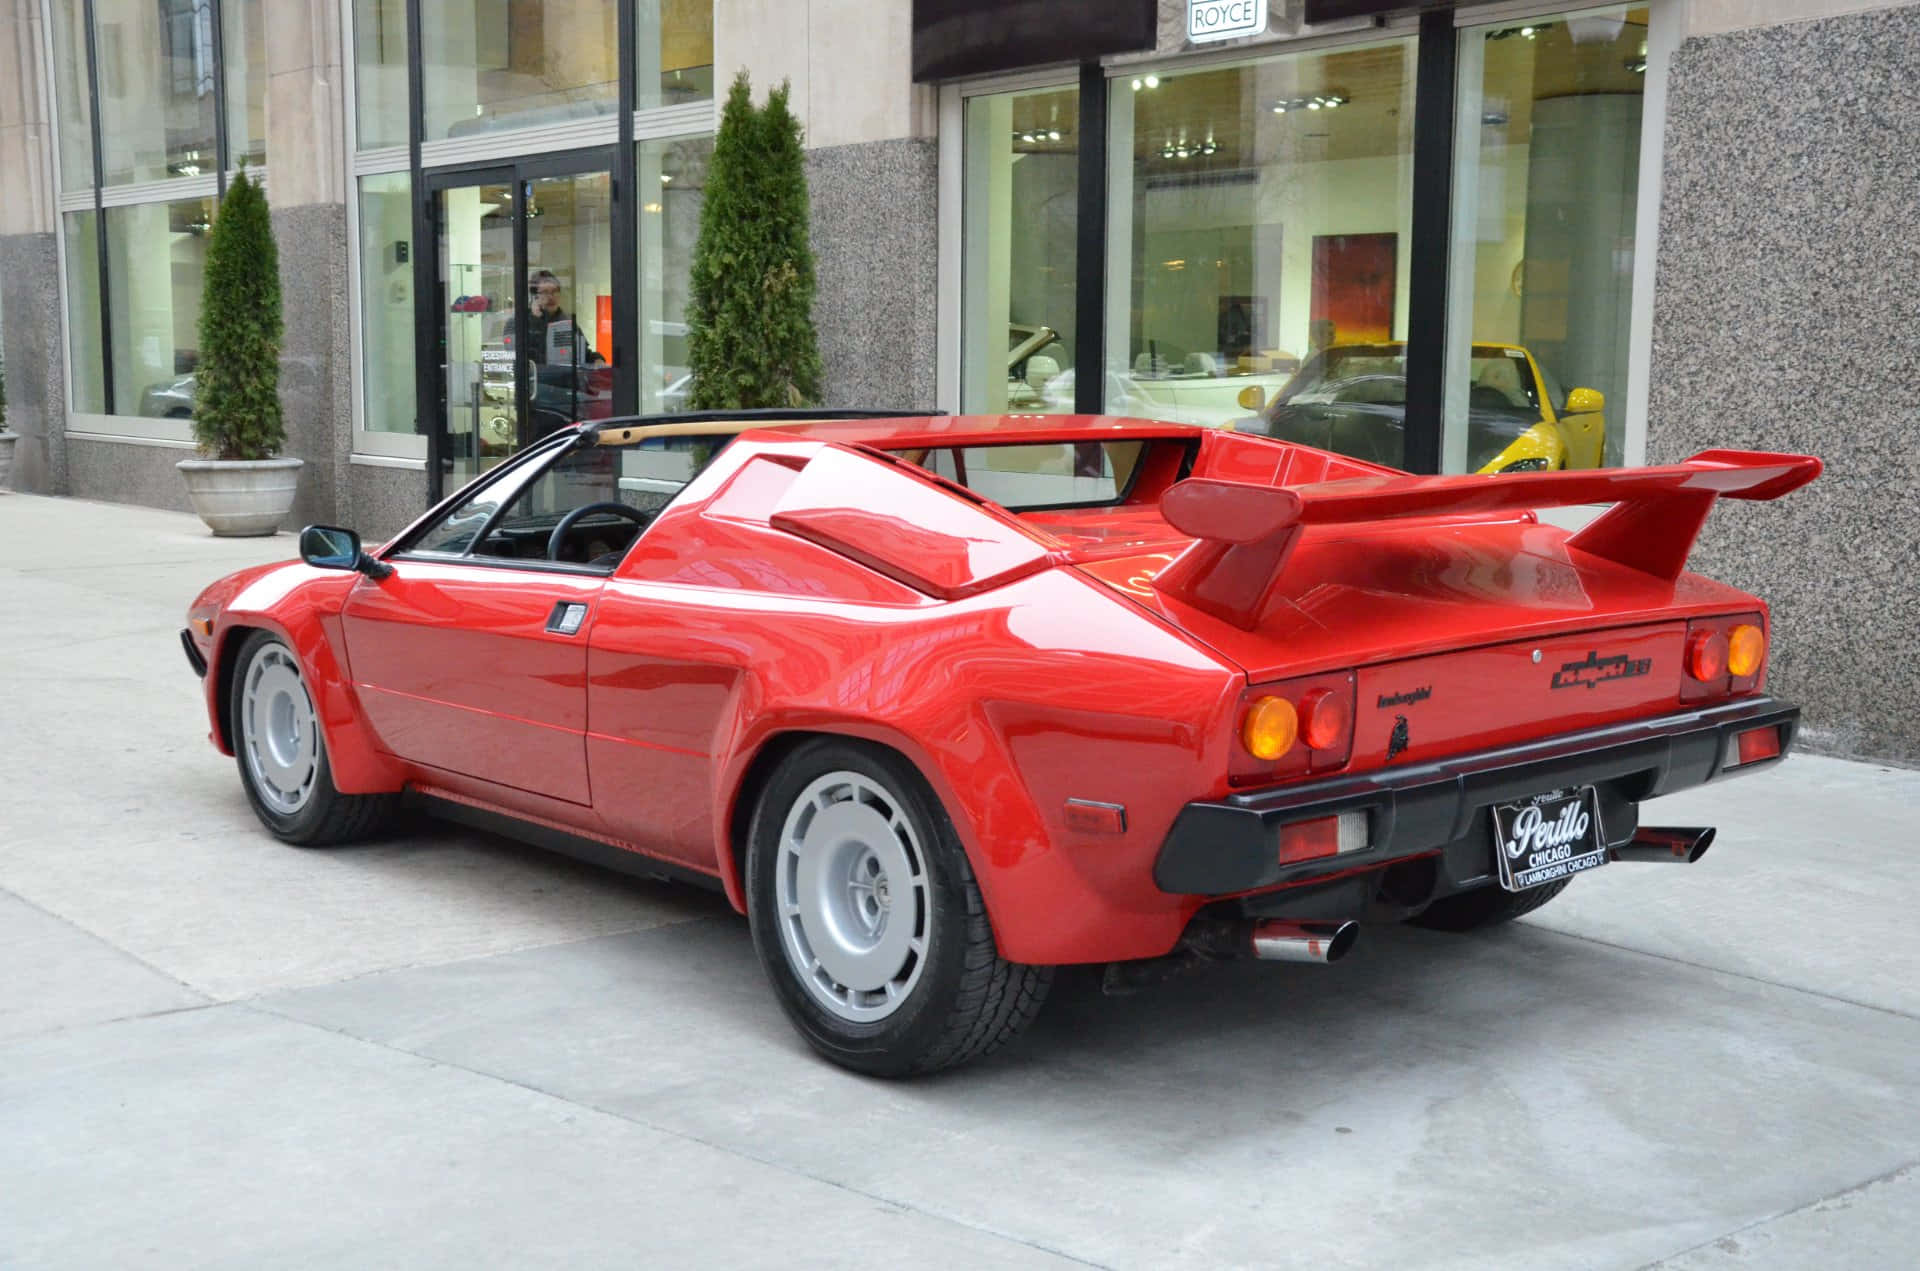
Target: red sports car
944	703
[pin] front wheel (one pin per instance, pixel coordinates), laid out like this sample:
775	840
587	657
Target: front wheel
283	755
869	922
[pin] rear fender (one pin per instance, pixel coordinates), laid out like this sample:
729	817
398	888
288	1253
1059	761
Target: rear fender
307	617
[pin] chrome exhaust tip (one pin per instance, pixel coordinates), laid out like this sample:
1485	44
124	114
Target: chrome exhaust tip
1277	941
1667	846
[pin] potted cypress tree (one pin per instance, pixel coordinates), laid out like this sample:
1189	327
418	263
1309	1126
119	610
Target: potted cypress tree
240	487
750	334
6	438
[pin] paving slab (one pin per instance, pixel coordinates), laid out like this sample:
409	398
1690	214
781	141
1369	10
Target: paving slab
58	976
1876	1224
1524	1099
228	1138
1810	882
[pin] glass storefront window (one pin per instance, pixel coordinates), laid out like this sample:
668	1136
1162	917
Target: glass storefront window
669	226
386	303
83	314
1261	217
1021	240
156	89
493	64
380	72
74	101
674	43
243	50
1546	187
156	261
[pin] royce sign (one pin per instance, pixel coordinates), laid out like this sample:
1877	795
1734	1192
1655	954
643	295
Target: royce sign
1224	19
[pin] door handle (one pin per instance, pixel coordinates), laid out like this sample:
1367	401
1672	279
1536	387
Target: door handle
567	618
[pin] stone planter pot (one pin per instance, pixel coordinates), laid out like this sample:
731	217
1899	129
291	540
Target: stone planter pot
241	498
6	455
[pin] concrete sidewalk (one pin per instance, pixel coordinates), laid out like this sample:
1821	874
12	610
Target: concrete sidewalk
446	1050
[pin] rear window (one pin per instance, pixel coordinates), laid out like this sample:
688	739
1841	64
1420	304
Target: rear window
1052	474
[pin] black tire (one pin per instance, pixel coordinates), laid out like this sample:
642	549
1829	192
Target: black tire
1485	907
327	818
967	1000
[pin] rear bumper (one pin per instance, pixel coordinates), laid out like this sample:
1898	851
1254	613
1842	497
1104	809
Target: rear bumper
1228	846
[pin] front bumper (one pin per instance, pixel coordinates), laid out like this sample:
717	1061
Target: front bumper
1224	847
195	658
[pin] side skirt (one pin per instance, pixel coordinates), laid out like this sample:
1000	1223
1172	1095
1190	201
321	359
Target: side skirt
607	853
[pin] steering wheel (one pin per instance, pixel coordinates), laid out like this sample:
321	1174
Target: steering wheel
567	522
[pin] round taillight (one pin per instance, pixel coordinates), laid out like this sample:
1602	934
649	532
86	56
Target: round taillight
1271	727
1325	718
1746	649
1707	655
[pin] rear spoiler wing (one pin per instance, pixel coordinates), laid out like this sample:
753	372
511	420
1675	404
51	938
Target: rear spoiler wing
1246	532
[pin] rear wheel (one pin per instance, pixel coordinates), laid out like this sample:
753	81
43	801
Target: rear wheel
283	755
1486	907
869	923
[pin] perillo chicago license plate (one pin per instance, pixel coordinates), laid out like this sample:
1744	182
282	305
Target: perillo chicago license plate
1550	836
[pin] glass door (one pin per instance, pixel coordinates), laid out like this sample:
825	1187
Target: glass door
524	320
479	389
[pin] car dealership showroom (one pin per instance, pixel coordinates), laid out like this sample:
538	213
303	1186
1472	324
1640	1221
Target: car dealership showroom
1536	301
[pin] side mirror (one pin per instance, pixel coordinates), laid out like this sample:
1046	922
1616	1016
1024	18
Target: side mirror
1586	401
1252	398
330	547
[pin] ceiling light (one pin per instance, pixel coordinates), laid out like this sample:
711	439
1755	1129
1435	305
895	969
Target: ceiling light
1153	81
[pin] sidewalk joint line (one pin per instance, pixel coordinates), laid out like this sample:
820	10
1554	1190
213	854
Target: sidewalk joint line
1884	1177
669	1131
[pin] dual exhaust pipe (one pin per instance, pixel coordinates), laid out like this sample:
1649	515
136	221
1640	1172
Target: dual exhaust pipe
1666	847
1280	940
1275	940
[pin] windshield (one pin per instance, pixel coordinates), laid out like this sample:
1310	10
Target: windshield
1499	378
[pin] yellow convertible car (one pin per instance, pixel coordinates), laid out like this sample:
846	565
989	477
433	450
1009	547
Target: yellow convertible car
1352	398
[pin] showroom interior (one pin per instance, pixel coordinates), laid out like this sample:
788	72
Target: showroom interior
1607	215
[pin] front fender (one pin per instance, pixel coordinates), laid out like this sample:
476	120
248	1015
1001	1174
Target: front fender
302	606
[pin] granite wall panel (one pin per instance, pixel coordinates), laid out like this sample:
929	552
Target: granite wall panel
35	358
381	501
876	243
127	472
316	384
1788	289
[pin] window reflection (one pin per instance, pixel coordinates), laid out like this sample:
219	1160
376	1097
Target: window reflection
1546	192
1263	215
156	260
673	181
386	302
1022	225
156	104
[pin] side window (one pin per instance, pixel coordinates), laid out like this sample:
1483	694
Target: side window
578	479
454	533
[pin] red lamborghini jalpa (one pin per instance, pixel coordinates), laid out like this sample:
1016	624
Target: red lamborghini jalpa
944	703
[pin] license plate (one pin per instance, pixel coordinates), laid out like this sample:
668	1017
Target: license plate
1547	837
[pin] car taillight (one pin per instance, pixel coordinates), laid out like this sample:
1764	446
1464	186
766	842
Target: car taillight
1706	655
1746	650
1272	726
1326	718
1724	656
1304	725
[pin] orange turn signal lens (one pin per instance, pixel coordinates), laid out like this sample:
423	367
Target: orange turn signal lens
1325	718
1746	649
1271	728
1707	655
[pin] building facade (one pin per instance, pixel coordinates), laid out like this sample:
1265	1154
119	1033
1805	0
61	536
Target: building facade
1407	231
